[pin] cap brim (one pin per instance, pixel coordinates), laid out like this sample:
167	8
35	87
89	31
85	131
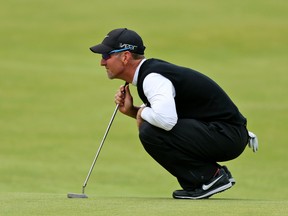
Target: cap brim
101	49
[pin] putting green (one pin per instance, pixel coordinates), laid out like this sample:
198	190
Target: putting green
57	204
56	101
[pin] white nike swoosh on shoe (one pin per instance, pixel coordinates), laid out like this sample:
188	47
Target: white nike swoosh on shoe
206	187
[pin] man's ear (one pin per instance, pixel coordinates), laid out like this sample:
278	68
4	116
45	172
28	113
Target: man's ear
125	57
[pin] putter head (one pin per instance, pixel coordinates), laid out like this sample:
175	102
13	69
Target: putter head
74	195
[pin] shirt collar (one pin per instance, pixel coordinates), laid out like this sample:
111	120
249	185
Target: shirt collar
135	78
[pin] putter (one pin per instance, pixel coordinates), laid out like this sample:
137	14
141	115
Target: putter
83	195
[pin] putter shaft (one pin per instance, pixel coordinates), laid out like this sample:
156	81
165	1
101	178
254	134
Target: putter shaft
83	195
99	149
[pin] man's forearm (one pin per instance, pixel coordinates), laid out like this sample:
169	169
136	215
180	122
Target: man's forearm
133	112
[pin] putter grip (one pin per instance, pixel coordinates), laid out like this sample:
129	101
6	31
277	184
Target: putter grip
126	83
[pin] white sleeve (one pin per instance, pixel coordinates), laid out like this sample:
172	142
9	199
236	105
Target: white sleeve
160	93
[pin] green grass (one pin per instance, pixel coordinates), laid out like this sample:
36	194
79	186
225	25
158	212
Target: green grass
51	204
56	101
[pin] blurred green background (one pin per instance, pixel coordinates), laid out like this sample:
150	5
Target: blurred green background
56	100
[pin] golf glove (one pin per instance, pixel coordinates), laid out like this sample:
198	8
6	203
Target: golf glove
253	142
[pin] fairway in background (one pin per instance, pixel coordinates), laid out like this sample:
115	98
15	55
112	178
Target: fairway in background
56	100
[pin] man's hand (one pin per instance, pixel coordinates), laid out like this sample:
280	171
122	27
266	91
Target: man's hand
124	98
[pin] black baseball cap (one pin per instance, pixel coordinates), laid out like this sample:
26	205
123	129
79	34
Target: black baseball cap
120	38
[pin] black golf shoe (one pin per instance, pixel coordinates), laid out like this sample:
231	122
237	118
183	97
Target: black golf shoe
231	179
219	183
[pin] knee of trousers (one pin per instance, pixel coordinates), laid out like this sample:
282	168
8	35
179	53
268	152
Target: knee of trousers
149	134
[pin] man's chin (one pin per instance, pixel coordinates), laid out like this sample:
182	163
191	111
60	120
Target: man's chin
110	76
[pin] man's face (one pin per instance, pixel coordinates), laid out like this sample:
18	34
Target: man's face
114	65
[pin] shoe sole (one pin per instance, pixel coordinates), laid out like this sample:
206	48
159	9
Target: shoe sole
208	194
232	180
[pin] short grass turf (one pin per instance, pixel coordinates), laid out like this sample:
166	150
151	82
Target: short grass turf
56	101
51	204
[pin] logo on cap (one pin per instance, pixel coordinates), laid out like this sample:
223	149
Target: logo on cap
127	46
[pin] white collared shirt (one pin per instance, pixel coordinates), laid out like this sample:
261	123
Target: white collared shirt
160	93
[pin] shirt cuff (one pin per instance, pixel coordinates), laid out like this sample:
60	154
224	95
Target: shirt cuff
151	117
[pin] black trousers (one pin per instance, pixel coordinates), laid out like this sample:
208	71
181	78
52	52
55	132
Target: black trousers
191	150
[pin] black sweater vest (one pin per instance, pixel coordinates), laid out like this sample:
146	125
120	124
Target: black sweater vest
197	96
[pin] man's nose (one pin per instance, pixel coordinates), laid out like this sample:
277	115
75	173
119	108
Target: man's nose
103	62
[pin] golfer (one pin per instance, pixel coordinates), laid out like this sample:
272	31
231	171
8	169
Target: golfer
187	122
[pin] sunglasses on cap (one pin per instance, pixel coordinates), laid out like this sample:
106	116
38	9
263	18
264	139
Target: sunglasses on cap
106	56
